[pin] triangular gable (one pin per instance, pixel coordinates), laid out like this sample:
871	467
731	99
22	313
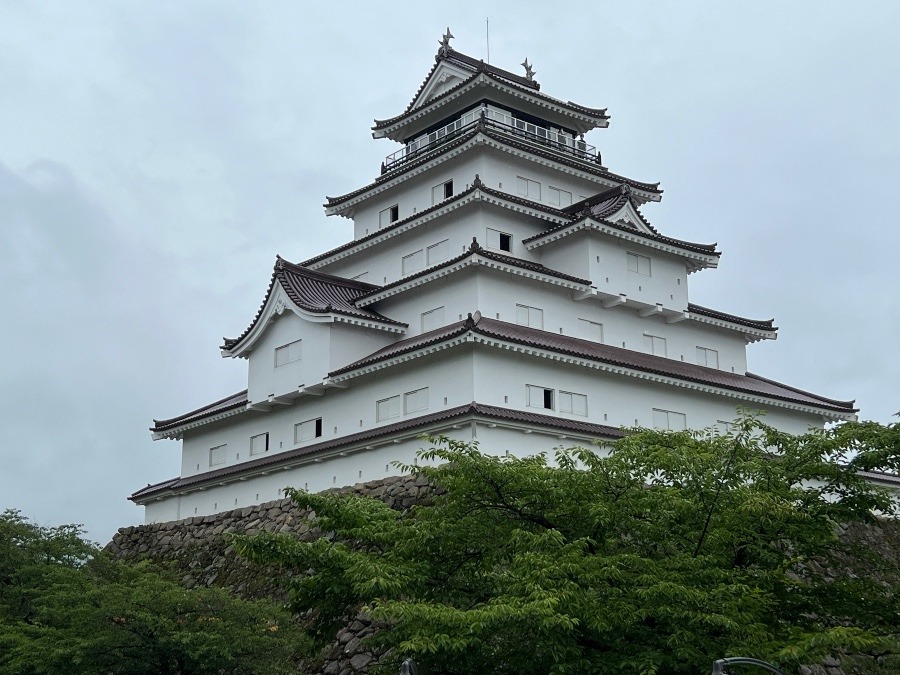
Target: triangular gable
629	216
311	295
443	77
277	302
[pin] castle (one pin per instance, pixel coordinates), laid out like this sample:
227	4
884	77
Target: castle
502	285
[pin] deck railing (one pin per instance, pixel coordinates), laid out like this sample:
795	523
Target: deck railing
498	121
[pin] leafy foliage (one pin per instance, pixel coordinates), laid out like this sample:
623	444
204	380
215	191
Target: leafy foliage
659	556
67	608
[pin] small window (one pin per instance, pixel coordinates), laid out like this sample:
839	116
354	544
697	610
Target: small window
413	262
287	353
433	318
639	264
707	357
441	192
574	404
217	455
499	241
438	252
654	344
529	316
259	444
668	420
526	187
413	401
538	397
557	197
389	215
305	431
590	330
387	408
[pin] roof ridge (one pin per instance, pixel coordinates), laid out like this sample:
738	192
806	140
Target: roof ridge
765	324
477	249
833	401
295	268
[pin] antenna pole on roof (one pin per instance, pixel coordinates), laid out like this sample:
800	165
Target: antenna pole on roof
487	35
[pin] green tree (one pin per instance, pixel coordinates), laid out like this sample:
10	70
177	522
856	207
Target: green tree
67	608
668	552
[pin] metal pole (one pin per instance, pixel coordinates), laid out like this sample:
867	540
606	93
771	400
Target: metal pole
719	666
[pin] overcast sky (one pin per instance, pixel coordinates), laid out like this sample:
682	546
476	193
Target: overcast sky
155	157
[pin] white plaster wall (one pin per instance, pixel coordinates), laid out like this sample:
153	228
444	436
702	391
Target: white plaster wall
350	343
456	293
414	194
264	379
501	378
344	411
382	263
503	169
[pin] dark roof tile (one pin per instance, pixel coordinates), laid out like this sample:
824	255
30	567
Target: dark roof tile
315	292
470	410
233	402
476	67
759	324
749	383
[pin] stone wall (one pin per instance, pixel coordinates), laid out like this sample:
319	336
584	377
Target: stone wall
197	550
201	555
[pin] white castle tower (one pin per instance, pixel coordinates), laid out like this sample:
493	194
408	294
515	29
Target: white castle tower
502	285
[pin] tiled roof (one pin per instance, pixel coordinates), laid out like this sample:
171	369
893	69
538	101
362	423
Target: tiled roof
403	168
472	409
616	356
587	166
476	185
605	204
476	67
315	292
233	402
475	249
750	323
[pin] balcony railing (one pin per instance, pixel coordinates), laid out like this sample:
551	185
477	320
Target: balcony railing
499	121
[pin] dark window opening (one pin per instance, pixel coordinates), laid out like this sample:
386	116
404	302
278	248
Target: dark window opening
505	242
395	213
448	189
318	427
548	399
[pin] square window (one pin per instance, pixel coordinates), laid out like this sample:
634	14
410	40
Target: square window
639	264
538	397
590	330
432	319
389	215
669	420
532	317
288	353
413	401
217	455
574	404
707	357
655	345
387	408
413	262
499	241
441	192
259	444
438	252
305	431
557	197
525	187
